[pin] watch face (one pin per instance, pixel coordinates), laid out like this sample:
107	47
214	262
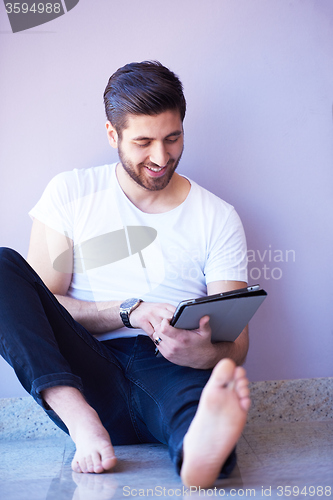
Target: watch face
129	303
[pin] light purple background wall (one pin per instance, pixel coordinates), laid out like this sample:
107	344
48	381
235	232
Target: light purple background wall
258	77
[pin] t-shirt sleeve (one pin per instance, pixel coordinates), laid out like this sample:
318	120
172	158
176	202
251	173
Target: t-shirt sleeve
227	257
56	206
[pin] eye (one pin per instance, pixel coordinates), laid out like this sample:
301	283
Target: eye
143	145
170	141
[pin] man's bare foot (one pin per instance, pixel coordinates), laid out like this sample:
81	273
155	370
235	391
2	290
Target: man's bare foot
94	451
217	425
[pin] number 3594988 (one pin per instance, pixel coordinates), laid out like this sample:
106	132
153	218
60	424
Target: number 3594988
35	8
311	491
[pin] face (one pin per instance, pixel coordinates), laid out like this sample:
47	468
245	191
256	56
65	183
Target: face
150	148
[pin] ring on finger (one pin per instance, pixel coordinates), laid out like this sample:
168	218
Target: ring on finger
157	341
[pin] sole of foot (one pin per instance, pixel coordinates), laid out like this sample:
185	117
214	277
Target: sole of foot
217	425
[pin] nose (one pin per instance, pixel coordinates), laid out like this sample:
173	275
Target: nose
159	154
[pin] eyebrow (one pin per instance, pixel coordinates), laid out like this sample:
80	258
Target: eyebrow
143	138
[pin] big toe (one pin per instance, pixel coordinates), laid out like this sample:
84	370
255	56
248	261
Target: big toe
109	462
108	459
224	372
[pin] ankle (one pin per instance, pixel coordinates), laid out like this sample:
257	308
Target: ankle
70	405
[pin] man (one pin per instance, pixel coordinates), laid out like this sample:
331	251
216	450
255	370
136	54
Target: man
113	250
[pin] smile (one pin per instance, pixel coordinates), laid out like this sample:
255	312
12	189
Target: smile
154	169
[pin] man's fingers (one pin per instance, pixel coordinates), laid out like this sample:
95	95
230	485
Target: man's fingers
149	329
148	316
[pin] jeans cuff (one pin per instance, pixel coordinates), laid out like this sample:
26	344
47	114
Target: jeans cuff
229	465
226	470
53	380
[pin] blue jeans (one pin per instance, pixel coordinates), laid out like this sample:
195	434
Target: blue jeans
140	398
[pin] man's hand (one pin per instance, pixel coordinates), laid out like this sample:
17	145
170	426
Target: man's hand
148	316
182	347
187	347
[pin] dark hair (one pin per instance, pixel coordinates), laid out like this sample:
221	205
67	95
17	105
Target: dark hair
146	88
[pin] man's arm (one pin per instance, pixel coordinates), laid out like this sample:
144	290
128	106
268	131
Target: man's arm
46	245
194	348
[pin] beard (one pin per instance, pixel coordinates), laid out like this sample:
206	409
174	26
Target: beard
139	175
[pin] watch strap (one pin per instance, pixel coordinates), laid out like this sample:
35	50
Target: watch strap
126	308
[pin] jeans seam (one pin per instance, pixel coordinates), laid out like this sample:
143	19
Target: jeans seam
130	395
127	369
166	428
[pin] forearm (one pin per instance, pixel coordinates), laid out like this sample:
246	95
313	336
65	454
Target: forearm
96	317
236	350
209	358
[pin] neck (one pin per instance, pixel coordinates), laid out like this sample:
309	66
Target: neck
154	202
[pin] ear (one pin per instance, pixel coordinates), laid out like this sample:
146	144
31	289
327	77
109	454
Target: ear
112	134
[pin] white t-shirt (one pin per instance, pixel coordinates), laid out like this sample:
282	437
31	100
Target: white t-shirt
121	252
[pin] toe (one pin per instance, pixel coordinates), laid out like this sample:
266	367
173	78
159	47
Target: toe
108	458
76	466
240	373
98	469
223	372
245	404
96	462
242	385
89	464
83	465
244	392
109	462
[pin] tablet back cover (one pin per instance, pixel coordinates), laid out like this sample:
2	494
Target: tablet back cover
228	317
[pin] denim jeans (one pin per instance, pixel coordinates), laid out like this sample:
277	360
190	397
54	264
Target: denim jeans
139	397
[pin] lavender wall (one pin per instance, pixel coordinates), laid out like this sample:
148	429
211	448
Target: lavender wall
258	77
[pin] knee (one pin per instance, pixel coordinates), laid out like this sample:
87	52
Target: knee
8	256
13	267
7	253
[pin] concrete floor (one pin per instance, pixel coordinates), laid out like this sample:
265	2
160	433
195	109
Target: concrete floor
286	460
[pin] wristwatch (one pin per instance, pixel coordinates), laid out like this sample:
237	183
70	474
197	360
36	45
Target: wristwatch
126	308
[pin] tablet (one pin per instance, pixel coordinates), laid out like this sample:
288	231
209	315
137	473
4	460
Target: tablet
229	312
